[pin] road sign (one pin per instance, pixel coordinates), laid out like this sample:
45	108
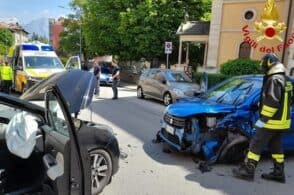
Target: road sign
168	47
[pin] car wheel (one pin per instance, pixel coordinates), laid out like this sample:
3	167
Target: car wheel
101	170
167	99
236	153
140	93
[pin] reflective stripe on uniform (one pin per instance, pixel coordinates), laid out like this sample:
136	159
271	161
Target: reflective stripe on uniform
283	123
268	111
289	86
253	156
279	158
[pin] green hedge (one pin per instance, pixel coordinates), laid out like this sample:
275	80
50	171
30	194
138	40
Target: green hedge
240	67
212	78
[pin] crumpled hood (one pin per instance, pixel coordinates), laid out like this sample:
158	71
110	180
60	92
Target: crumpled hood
190	107
75	86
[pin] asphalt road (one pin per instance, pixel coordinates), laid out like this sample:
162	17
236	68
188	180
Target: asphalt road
148	170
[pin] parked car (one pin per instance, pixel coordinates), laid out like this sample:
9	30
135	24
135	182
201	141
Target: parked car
105	74
70	156
166	85
218	124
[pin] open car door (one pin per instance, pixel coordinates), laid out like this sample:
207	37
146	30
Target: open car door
73	62
54	165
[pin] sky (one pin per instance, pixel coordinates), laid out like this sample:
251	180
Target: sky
27	10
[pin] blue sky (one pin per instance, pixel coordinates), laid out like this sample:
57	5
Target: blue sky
28	10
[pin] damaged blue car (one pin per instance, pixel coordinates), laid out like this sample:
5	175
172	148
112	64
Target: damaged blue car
217	125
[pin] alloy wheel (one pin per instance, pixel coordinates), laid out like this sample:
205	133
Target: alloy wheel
167	99
101	170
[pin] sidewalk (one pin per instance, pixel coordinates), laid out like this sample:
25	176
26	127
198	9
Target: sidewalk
127	85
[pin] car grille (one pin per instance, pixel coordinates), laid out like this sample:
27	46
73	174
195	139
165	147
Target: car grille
174	121
170	137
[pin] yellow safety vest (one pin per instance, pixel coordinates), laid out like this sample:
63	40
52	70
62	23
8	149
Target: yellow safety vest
6	73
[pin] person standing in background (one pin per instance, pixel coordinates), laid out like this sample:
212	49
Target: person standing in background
115	79
6	77
97	71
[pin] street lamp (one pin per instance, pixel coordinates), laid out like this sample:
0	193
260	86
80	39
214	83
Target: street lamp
79	14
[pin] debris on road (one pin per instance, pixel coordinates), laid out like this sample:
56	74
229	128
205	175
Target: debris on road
204	167
123	155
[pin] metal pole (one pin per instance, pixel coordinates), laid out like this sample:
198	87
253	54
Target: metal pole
167	61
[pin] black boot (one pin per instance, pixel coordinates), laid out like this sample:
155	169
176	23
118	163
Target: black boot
277	174
246	170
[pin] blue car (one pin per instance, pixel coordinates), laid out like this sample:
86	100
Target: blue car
217	125
105	75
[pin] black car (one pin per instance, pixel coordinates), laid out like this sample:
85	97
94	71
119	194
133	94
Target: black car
71	156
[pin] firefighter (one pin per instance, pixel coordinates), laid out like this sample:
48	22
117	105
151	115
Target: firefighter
6	77
274	120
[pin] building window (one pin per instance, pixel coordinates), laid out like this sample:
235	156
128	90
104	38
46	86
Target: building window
249	15
244	50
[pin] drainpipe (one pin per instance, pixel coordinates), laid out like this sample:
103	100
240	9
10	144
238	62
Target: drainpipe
287	30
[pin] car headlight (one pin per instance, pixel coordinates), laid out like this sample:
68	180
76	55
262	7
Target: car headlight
178	92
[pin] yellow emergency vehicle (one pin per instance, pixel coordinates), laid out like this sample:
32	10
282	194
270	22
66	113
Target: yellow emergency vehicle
32	62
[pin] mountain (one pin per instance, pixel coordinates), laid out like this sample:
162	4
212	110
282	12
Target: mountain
39	26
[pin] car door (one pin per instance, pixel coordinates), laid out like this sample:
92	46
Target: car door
159	85
55	148
150	82
73	62
61	145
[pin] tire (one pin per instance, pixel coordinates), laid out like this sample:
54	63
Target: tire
167	99
236	153
140	93
101	170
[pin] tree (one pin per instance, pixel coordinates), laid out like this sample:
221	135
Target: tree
132	29
70	37
6	41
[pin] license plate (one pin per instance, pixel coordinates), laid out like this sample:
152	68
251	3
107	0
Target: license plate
170	129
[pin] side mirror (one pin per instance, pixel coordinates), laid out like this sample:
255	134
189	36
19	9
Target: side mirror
18	68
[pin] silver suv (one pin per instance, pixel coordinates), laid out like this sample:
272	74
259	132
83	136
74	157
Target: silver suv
166	85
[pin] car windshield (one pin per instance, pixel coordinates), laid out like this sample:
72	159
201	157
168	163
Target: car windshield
105	70
42	62
234	91
178	77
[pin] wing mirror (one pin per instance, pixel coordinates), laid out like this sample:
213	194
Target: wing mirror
18	68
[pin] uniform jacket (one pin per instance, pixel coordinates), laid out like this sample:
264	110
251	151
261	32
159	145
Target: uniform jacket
275	101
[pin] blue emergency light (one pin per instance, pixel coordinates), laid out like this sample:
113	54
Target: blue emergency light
47	48
30	47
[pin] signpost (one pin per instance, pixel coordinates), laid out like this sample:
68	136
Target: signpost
168	50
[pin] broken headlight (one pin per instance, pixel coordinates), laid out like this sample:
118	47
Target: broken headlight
210	122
